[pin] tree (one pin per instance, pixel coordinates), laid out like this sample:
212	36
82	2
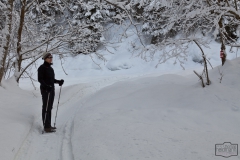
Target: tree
40	26
5	35
172	22
94	15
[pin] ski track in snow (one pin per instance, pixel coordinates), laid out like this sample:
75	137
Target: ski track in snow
67	144
58	145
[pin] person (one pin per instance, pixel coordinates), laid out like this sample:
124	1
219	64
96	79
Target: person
46	78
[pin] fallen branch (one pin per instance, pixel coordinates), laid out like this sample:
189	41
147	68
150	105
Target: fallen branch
200	77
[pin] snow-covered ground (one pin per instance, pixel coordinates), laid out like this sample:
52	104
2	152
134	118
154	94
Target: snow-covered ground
126	117
165	117
127	109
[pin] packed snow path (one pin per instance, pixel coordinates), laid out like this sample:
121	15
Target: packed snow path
53	146
158	117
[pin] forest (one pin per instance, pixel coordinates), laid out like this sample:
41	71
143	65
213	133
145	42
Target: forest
28	28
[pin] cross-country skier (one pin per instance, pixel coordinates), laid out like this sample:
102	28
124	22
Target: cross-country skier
46	78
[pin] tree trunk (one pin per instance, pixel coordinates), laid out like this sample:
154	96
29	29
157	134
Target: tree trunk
223	47
205	62
7	39
19	47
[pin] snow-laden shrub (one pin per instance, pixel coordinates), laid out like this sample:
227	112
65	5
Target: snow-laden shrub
89	18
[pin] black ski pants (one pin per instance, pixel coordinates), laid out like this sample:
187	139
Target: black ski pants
47	103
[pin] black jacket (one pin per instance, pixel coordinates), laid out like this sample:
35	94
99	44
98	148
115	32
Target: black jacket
46	76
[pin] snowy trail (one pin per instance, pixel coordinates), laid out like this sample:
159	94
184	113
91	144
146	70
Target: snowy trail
46	146
58	145
165	117
158	117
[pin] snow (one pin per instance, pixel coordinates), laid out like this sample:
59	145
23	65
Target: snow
165	117
126	117
125	109
18	110
121	107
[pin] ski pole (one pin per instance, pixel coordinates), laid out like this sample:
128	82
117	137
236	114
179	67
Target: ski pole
45	113
57	106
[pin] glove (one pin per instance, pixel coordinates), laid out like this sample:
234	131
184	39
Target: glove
61	82
48	88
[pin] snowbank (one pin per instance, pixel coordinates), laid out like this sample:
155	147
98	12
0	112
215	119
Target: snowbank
18	109
164	117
